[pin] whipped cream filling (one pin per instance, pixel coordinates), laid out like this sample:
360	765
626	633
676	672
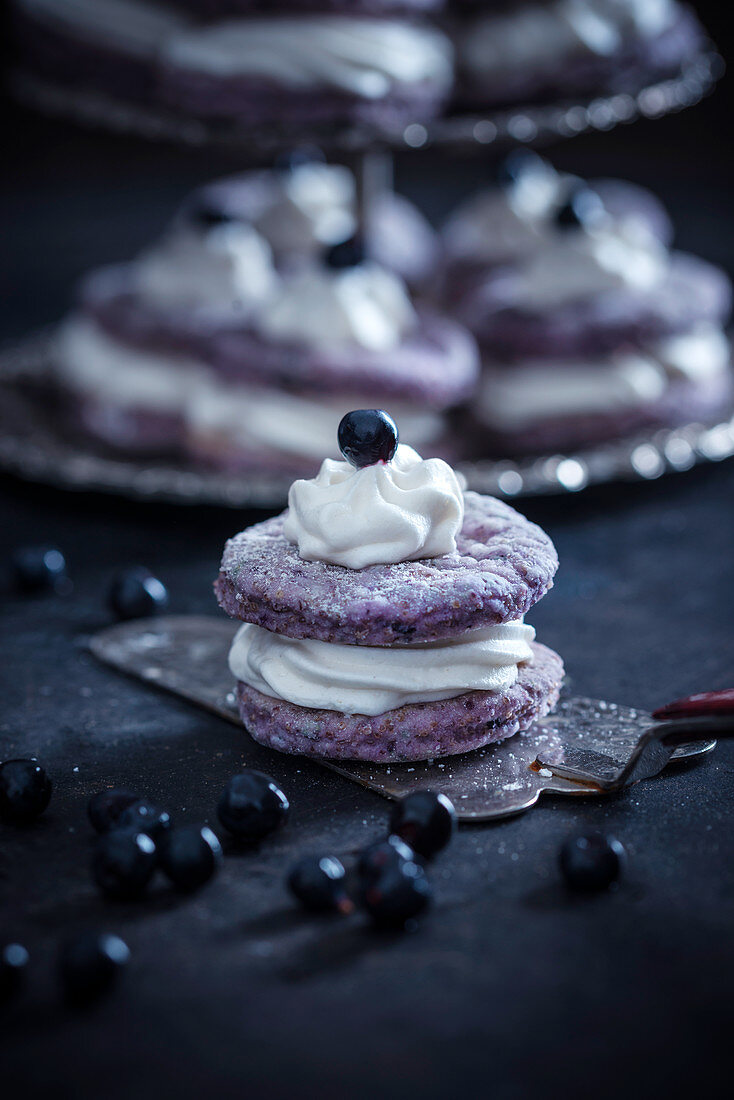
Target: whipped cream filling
227	267
403	510
309	207
361	56
356	679
512	398
581	263
541	36
363	306
133	26
93	363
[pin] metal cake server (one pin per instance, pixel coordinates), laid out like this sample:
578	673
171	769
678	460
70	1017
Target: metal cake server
587	747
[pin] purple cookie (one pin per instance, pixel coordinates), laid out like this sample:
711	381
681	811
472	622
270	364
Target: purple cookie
640	60
130	430
694	292
419	731
436	365
503	565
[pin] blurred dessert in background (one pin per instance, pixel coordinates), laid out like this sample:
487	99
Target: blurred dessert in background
378	63
215	345
590	328
527	50
289	68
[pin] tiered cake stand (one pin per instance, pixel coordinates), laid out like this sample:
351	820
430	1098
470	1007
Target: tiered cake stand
33	447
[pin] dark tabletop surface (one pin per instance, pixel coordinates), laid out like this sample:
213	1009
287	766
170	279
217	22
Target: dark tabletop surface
509	987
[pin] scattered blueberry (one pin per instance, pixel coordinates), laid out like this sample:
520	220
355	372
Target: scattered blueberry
104	807
319	883
39	569
137	594
519	163
89	965
13	966
123	863
252	805
190	855
376	859
349	253
592	861
367	436
582	208
425	820
145	817
397	894
25	791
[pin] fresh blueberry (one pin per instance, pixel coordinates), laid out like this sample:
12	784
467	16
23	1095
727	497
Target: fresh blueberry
319	883
592	861
123	863
367	436
376	859
89	965
516	165
582	208
145	817
425	820
25	791
104	807
136	594
39	569
252	805
190	855
13	967
349	253
397	894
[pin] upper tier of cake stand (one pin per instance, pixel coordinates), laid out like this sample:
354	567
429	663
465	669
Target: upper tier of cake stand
456	133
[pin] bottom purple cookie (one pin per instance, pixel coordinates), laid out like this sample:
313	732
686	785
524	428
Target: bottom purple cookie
419	731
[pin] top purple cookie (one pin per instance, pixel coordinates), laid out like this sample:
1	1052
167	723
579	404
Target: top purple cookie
503	564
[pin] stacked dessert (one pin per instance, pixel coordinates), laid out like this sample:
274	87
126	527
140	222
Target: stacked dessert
291	64
590	328
383	611
515	51
224	345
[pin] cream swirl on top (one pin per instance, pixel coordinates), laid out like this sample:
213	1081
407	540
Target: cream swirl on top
227	266
402	510
357	679
309	207
358	56
364	306
580	263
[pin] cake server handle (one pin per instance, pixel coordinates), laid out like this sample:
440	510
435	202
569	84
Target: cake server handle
694	718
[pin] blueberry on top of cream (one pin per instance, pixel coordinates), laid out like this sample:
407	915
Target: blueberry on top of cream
582	209
367	436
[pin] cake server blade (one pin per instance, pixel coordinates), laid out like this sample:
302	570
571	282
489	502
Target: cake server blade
577	751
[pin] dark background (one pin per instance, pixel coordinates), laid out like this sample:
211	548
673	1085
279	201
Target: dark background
509	988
